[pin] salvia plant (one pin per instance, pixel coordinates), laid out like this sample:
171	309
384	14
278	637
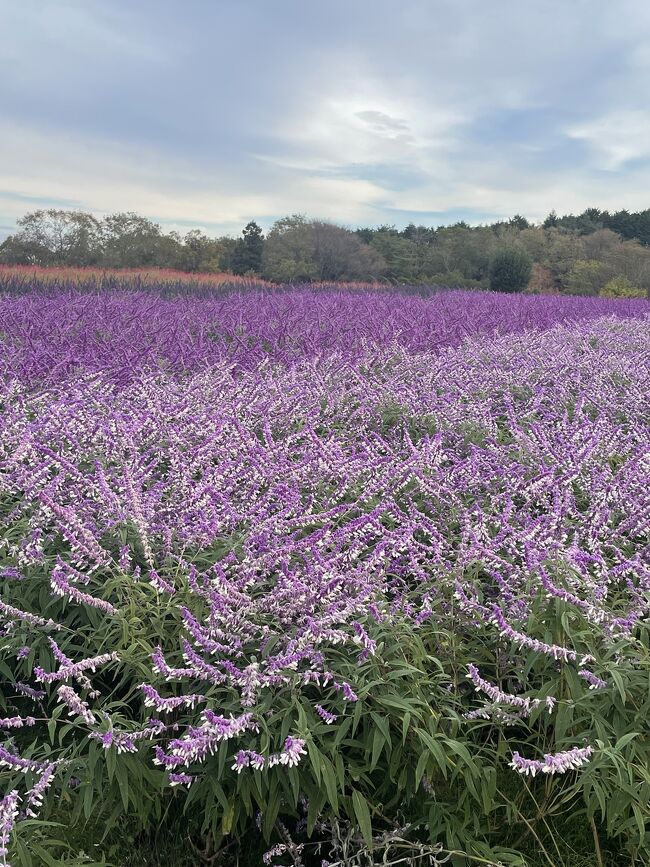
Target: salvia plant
357	576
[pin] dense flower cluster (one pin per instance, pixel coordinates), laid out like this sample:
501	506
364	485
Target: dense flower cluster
290	472
58	335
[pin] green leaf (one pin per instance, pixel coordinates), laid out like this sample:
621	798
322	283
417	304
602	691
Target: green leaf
620	686
362	813
563	720
342	731
227	820
382	724
406	722
398	703
314	810
329	778
435	749
314	758
271	814
110	762
220	794
44	855
420	768
23	854
625	740
358	710
88	800
640	820
377	746
122	777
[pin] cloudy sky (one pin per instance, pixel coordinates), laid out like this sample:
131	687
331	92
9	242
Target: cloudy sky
213	112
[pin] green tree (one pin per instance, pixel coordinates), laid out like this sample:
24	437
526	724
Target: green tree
298	249
54	237
559	251
288	252
519	222
399	253
585	277
201	253
621	287
247	255
510	270
132	241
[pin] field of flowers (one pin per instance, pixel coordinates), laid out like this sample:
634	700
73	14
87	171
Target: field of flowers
317	576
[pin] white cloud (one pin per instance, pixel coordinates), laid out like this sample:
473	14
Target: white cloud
346	111
616	138
105	176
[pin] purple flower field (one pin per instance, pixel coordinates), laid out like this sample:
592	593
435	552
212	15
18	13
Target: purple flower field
224	521
49	335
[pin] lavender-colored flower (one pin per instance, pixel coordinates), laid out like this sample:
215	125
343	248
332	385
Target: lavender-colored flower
348	693
558	763
12	613
160	584
498	696
76	705
126	741
153	699
29	691
554	650
592	679
325	715
15	762
61	586
181	779
8	816
361	637
16	722
38	790
291	752
71	669
12	573
273	852
242	760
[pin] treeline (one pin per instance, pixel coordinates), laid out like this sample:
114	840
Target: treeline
593	253
632	226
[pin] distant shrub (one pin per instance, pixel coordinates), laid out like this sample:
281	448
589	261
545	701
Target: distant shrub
510	271
621	287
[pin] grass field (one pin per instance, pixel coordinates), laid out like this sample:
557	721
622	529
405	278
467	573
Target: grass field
312	575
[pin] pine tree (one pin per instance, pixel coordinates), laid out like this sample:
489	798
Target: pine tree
247	256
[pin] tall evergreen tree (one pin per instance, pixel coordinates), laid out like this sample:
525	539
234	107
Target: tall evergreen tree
247	256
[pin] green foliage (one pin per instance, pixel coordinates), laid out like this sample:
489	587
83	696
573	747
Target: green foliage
571	254
298	249
621	287
585	277
510	270
403	753
54	237
247	254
